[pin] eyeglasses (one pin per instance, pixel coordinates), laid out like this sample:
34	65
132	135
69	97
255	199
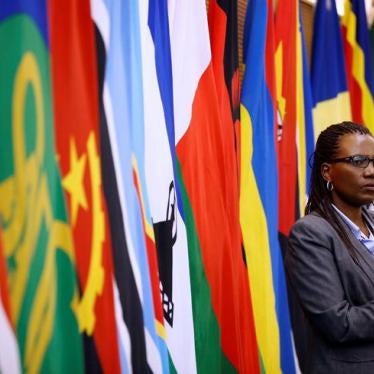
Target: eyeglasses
359	161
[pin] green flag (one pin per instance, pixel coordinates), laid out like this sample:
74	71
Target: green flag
36	235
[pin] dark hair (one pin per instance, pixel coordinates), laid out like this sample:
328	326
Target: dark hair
327	147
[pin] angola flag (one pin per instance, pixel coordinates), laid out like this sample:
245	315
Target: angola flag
75	91
37	238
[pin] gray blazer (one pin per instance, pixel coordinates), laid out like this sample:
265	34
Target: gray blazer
331	297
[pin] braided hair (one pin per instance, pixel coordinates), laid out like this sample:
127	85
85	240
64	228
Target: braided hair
320	199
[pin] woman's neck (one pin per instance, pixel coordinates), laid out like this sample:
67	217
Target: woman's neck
354	213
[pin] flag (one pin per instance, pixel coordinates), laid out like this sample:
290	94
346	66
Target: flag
37	238
287	71
331	102
259	188
218	275
360	73
371	36
295	146
222	17
118	24
74	82
291	150
223	30
163	187
9	351
295	122
127	282
305	129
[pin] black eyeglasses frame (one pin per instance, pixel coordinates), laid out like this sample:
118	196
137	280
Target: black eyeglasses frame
355	158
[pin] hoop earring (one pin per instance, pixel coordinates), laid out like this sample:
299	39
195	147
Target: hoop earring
329	186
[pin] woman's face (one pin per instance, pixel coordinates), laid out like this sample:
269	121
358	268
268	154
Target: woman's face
353	185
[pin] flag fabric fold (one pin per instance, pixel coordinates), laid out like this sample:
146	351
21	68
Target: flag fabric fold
222	22
218	275
360	73
127	286
119	26
287	64
305	125
145	197
75	93
163	187
291	146
371	42
331	102
37	238
259	186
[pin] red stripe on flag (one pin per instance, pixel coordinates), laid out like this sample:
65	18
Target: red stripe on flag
201	154
152	256
355	93
75	91
285	39
4	289
243	356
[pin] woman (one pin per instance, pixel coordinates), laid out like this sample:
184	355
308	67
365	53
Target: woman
330	257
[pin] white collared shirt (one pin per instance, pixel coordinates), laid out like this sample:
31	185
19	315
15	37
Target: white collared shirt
368	242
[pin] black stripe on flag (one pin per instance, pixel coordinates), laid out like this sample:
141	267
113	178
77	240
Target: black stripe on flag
124	275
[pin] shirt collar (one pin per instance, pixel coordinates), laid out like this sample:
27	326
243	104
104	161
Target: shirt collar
354	228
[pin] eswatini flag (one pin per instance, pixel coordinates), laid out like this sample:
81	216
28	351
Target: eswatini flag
220	295
359	68
76	112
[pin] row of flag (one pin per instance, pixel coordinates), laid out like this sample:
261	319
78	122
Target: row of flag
146	193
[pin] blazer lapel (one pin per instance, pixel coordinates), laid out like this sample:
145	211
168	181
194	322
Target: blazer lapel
366	259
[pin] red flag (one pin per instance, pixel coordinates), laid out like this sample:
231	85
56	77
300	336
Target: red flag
222	17
4	297
285	45
75	91
359	69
